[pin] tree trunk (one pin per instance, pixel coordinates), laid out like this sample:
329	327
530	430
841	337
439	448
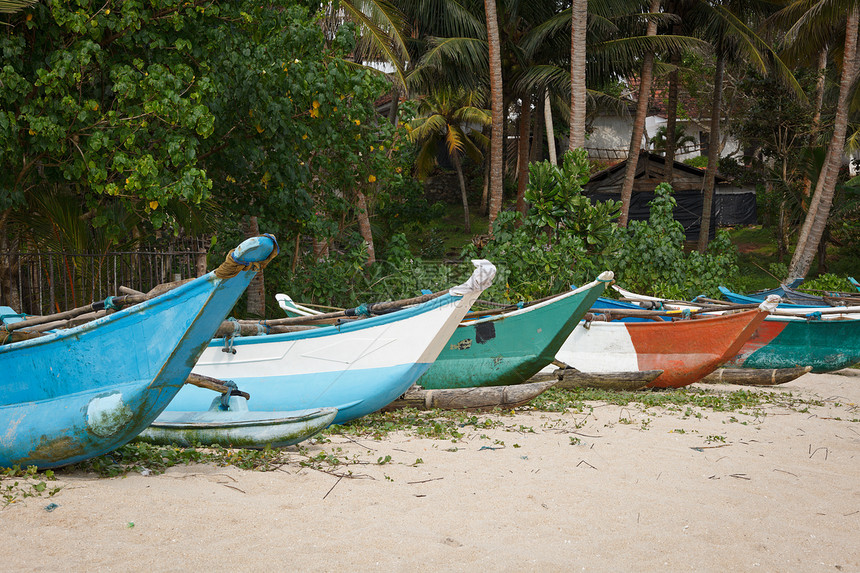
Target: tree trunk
363	216
672	114
257	288
523	152
578	93
497	143
536	153
486	190
822	252
395	104
467	227
819	206
638	122
713	154
550	130
816	117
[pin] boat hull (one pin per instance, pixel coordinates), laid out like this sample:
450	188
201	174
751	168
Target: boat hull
512	347
685	350
84	391
243	429
357	367
785	342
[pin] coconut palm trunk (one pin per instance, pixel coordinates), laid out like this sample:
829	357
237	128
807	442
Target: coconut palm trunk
578	26
550	130
672	111
638	122
822	199
497	148
458	167
523	152
713	154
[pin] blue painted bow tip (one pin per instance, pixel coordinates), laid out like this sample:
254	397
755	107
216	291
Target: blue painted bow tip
255	249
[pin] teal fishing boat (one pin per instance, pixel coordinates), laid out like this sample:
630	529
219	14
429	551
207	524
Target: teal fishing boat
511	347
80	392
787	341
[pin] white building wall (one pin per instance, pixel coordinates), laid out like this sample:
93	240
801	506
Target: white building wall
611	133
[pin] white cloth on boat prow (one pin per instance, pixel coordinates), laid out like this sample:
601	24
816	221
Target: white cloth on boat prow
770	303
482	277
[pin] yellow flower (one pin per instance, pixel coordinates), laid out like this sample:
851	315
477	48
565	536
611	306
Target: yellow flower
259	129
315	112
95	107
107	12
381	148
399	170
230	179
304	136
371	178
153	205
32	132
126	180
371	148
357	121
316	104
335	108
29	17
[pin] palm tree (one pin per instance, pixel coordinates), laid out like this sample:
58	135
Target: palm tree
498	118
578	27
661	140
815	16
639	121
449	116
726	25
14	6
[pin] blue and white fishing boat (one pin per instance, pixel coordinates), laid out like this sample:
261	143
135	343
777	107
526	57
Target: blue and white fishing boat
80	392
357	367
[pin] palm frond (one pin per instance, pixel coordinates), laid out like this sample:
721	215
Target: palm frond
15	6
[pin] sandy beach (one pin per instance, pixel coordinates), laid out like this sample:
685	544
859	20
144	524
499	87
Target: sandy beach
612	488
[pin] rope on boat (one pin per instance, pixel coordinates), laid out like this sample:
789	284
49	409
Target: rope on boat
232	266
228	340
225	397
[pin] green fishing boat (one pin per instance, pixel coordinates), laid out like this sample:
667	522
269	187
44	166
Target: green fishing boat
511	347
785	342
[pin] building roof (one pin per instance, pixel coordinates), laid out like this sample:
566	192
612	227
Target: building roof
650	171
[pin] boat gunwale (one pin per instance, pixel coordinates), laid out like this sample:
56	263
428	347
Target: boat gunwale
346	327
496	317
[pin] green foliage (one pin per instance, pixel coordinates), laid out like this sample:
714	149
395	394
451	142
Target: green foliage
564	239
17	484
700	161
827	282
653	258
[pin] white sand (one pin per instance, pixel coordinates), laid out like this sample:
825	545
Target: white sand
781	493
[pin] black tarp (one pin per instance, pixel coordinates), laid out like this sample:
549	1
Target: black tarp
735	209
688	210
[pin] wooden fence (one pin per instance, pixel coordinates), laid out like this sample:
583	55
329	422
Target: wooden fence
47	282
